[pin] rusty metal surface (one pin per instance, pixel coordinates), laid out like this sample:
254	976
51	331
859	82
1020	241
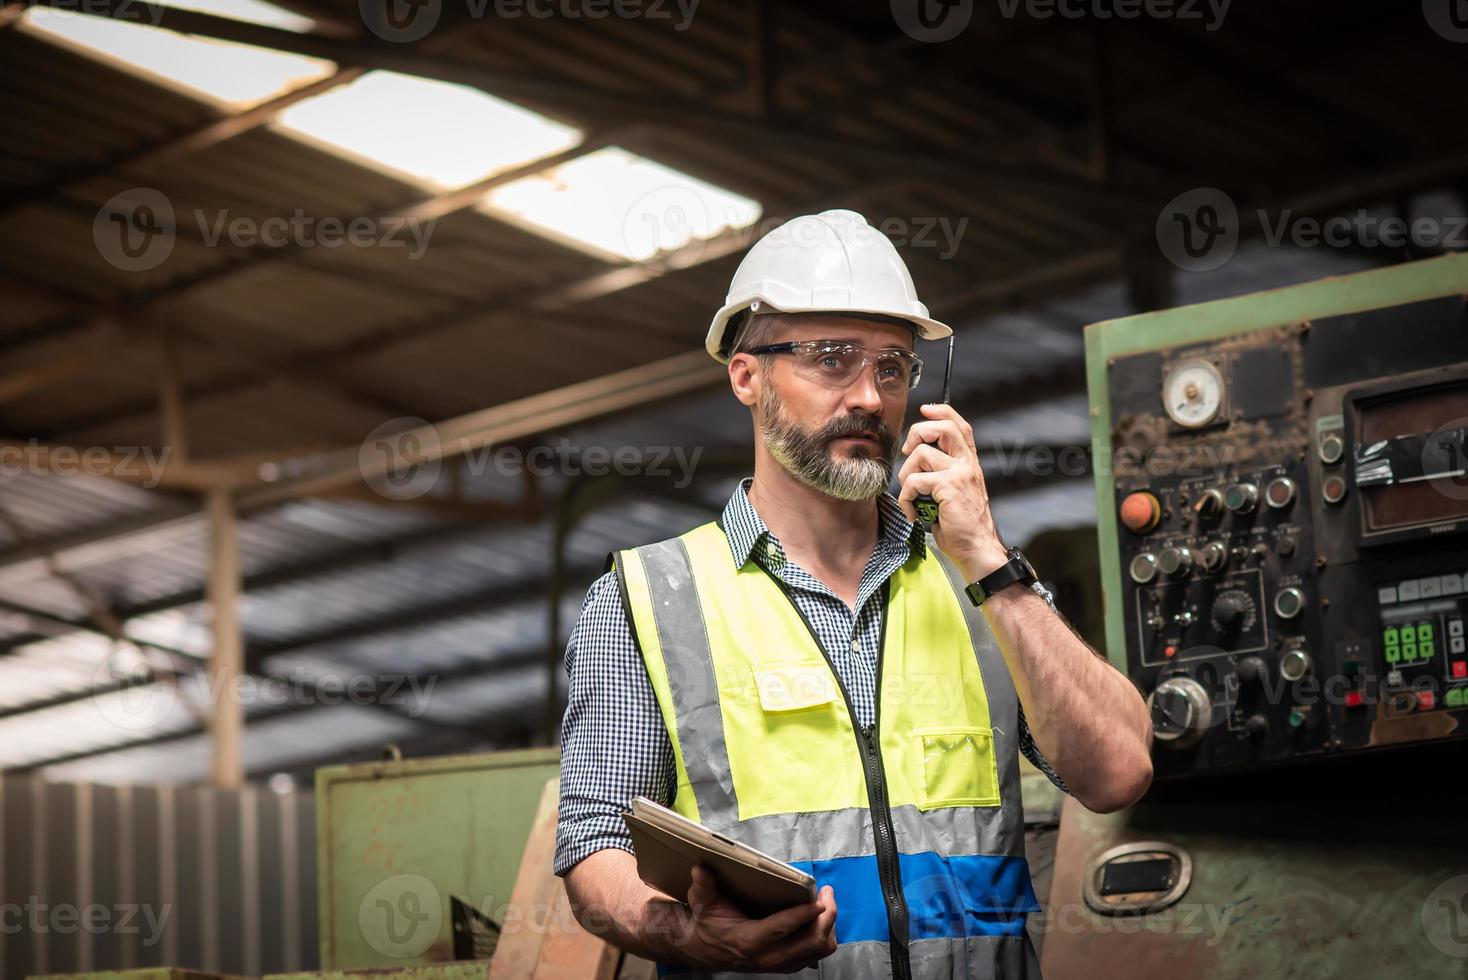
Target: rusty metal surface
396	839
149	973
468	970
1354	871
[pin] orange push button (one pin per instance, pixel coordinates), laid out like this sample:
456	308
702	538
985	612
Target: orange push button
1140	512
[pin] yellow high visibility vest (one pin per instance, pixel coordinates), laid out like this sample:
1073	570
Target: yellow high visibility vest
916	821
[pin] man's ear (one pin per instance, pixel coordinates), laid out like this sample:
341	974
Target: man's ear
745	378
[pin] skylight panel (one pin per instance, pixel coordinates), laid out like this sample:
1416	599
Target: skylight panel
440	133
234	76
620	206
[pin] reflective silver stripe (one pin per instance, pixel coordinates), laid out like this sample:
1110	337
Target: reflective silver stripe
966	958
831	834
695	691
972	958
1009	829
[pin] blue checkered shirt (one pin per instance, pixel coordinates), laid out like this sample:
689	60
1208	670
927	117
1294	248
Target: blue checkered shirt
613	743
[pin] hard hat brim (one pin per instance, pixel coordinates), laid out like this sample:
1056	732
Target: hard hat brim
926	328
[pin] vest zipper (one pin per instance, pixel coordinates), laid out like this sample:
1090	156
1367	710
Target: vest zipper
888	871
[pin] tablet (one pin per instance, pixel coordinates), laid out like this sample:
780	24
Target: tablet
668	845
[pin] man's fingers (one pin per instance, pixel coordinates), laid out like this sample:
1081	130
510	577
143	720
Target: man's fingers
938	410
925	457
825	924
791	920
704	891
949	436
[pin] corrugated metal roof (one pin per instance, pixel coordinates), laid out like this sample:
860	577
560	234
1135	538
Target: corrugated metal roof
967	153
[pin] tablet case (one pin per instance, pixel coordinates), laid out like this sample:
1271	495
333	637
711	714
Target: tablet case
667	849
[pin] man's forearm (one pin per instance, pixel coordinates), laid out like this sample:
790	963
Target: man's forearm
1085	716
612	902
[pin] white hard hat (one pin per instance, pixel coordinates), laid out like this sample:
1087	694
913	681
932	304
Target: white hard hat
832	262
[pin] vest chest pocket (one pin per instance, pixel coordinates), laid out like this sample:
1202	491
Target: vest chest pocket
791	687
958	767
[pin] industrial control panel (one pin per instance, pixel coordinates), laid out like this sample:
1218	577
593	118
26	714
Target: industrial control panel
1283	511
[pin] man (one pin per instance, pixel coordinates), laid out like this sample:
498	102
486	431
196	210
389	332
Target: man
811	676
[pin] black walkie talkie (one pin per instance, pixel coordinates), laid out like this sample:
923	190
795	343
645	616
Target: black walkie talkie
924	504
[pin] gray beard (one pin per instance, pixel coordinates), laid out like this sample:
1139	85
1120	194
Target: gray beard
806	455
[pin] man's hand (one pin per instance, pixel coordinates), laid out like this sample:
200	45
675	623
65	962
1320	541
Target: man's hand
724	938
943	461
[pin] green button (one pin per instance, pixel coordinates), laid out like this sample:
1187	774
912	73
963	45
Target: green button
1455	697
1409	634
1424	649
1389	636
1424	631
1393	654
1409	652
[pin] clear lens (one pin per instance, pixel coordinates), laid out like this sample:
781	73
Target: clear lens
840	365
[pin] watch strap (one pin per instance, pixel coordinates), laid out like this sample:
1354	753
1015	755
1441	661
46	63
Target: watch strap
1016	569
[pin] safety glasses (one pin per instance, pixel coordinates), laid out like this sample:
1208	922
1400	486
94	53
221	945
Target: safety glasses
838	364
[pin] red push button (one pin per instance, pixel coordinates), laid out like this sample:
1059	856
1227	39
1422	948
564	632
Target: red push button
1169	651
1460	669
1140	512
1426	700
1353	699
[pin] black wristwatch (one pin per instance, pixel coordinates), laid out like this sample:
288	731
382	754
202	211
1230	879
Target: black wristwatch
1017	569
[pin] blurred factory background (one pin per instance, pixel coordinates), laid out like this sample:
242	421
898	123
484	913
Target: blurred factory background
372	480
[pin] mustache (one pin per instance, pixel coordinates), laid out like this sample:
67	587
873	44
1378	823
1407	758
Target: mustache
859	425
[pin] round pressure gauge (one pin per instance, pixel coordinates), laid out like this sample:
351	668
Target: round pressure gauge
1193	394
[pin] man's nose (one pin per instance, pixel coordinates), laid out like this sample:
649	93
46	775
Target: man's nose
864	393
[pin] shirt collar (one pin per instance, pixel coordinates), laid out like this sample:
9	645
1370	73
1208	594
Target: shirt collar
746	530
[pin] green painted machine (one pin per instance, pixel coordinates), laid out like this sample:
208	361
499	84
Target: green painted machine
397	841
1282	503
